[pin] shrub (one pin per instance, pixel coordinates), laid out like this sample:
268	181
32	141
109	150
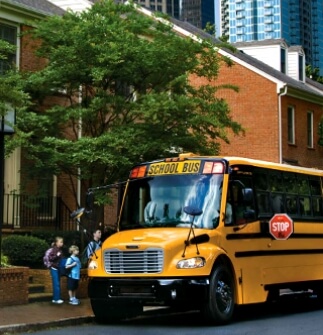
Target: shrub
4	262
24	250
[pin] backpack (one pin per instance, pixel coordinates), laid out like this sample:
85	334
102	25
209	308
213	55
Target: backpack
83	258
63	271
46	261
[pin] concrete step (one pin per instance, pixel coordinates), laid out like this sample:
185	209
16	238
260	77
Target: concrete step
37	297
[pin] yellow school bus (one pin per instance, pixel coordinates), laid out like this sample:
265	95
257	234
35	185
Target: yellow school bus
210	233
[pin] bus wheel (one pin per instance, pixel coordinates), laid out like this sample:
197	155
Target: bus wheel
220	305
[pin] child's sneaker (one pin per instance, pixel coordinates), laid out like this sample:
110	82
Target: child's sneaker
74	301
60	301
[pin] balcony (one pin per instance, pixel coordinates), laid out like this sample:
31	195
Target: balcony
268	4
268	28
268	12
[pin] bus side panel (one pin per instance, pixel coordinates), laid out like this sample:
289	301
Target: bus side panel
253	290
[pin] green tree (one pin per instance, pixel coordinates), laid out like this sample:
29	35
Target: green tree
313	73
123	78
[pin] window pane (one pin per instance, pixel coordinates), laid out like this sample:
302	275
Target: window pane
9	34
263	203
260	180
290	125
310	129
317	206
276	182
277	203
290	183
315	187
303	185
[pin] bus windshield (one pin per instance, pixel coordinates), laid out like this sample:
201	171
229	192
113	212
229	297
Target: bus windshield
159	201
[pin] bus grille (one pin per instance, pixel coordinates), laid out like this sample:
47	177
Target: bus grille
146	261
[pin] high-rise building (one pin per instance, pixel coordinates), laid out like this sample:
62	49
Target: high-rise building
299	22
196	12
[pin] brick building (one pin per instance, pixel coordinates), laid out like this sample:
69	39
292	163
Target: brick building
14	15
280	112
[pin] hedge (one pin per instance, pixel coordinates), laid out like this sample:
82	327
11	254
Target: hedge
24	250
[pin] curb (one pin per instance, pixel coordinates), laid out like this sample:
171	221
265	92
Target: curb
27	327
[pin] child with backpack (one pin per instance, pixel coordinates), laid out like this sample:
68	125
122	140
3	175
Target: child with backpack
74	264
52	259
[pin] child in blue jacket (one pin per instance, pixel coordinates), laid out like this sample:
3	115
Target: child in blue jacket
74	263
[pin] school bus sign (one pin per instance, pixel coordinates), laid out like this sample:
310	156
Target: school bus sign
281	226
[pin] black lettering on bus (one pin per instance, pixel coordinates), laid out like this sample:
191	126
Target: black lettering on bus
196	167
173	167
161	168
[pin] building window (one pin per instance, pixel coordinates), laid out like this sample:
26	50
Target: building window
9	34
310	129
291	125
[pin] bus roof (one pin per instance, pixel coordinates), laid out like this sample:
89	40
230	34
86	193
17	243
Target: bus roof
271	165
234	160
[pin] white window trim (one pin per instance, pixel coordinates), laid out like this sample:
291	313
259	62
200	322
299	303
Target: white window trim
291	141
311	144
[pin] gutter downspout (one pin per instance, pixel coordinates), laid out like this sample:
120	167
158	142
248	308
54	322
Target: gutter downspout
79	185
282	92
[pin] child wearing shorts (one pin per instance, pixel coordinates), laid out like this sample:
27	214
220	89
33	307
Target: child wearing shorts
74	263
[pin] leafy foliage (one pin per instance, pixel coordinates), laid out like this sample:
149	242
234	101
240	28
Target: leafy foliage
313	73
120	92
24	250
4	262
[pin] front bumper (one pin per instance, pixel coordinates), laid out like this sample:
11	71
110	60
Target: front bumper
150	291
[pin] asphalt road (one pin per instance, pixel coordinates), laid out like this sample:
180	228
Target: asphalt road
293	316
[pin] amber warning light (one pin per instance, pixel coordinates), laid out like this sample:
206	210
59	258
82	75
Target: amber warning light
138	172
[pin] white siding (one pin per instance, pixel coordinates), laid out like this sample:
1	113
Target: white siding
293	65
269	54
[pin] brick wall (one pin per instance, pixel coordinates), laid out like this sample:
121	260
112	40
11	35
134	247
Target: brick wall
299	152
43	277
14	286
28	60
256	108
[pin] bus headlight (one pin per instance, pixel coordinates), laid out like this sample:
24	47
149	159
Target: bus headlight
191	263
93	265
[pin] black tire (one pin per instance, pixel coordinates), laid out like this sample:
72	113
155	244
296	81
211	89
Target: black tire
220	305
106	312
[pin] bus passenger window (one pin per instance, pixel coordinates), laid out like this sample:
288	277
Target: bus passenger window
263	203
305	206
315	187
317	206
291	205
277	203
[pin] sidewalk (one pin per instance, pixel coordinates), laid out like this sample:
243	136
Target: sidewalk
39	315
